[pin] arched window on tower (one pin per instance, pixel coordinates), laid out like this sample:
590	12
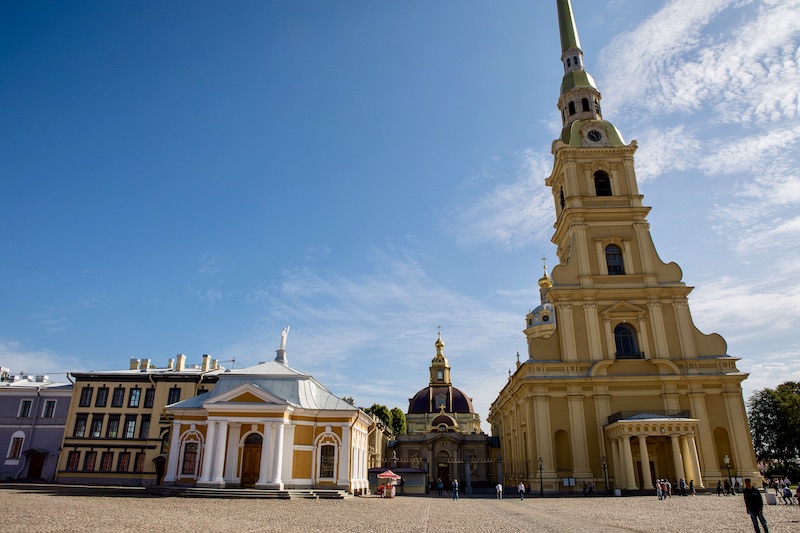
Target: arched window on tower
602	184
572	108
585	104
614	260
569	63
597	107
561	195
626	343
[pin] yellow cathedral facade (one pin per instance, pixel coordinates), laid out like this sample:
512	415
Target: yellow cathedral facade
620	388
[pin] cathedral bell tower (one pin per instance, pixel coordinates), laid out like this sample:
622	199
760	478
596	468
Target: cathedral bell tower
610	288
618	381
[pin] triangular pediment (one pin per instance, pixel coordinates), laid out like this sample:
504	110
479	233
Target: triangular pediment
247	393
624	309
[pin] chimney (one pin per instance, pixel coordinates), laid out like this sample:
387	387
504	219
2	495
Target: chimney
134	363
181	363
206	362
170	363
145	364
214	364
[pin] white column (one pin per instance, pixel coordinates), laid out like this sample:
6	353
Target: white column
277	456
219	455
647	481
343	474
287	472
676	457
266	447
232	456
208	452
630	476
616	457
174	449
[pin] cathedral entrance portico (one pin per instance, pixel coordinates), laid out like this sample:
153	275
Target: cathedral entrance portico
652	449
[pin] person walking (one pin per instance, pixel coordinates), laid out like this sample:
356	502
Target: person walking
499	489
440	486
754	505
455	489
719	488
521	490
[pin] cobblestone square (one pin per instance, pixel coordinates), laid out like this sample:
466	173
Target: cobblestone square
60	508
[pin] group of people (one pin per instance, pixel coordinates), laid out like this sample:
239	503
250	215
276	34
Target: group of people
664	488
589	488
783	490
727	489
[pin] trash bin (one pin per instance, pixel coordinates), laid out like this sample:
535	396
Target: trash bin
617	492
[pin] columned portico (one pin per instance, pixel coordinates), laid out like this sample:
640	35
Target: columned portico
262	427
672	440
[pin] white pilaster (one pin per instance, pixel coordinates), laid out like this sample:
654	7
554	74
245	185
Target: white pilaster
208	453
174	449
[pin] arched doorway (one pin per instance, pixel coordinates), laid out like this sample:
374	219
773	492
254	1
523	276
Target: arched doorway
443	468
251	459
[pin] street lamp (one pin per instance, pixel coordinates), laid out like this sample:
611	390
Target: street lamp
541	486
605	471
727	461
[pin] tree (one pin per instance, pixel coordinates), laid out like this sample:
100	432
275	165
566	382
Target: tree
774	416
382	412
398	421
349	399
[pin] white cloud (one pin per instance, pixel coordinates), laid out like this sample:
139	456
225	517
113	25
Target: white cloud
15	356
382	325
759	307
511	214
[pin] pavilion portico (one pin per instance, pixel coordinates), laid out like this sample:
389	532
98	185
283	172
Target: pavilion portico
645	449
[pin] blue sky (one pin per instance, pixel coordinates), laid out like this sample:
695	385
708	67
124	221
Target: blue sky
190	177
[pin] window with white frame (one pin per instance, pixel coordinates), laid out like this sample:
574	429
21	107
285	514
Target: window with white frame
49	410
15	446
25	408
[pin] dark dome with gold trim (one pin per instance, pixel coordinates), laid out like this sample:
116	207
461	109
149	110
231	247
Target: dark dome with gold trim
432	398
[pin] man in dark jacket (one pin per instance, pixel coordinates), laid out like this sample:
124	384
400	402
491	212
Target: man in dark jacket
754	505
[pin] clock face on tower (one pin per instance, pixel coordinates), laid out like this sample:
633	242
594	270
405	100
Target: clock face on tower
595	136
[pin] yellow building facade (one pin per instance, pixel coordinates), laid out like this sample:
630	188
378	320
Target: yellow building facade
271	427
619	388
115	431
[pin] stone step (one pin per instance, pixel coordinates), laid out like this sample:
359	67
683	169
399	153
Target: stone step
287	494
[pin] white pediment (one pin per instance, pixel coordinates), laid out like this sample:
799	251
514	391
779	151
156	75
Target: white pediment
245	394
